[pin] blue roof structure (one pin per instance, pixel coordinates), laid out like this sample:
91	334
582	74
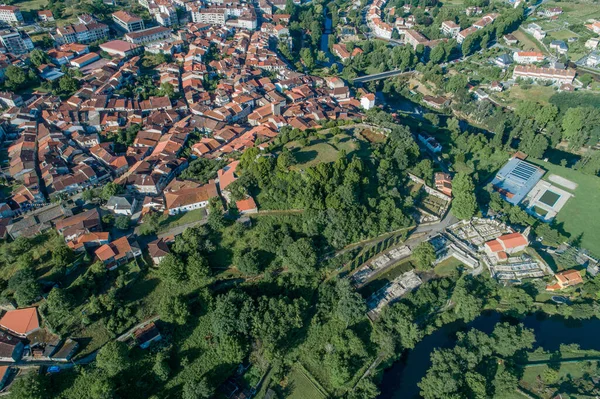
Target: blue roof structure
516	179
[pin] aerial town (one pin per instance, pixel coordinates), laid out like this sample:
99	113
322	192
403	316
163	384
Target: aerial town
299	199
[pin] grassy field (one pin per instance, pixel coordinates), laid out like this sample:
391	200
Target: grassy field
577	213
448	267
527	42
576	12
32	5
301	387
517	93
563	34
327	149
568	372
181	219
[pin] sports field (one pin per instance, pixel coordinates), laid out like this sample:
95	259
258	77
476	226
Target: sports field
581	213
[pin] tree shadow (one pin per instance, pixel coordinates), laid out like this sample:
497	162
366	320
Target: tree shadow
305	156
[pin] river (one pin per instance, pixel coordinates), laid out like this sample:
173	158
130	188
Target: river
324	45
400	380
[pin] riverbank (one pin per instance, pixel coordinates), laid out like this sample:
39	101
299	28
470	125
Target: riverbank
401	379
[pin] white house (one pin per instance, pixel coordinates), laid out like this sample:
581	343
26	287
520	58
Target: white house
124	205
188	199
367	101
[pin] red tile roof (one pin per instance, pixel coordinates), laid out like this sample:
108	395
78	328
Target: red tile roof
494	246
21	321
247	204
513	240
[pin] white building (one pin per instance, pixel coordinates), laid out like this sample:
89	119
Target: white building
527	57
209	16
11	15
16	42
129	22
592	43
450	28
367	101
188	199
593	59
148	35
559	76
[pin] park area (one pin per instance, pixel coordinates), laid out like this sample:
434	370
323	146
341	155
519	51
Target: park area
326	147
576	214
518	93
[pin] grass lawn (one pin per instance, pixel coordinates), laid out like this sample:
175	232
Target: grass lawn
448	267
539	93
576	12
563	34
301	387
527	42
580	210
568	372
181	219
327	149
32	5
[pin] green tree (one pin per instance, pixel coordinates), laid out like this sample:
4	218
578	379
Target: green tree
122	222
172	269
31	386
167	89
68	85
110	189
113	357
62	255
247	261
199	389
38	57
350	306
25	287
505	382
59	302
198	268
161	368
424	255
15	78
464	204
173	309
511	339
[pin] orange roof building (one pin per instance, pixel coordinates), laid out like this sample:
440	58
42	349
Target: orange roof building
227	175
506	244
187	199
565	279
21	322
246	206
117	252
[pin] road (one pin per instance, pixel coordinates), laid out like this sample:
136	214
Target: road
123	337
382	75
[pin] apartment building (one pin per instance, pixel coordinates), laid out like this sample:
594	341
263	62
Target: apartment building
80	33
15	42
128	21
414	38
148	35
560	76
11	15
213	16
450	28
